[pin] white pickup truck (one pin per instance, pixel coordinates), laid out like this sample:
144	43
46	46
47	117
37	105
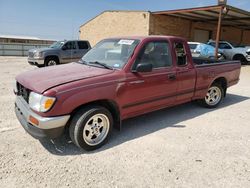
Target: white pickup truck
233	52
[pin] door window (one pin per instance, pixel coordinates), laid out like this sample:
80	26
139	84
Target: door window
70	45
224	46
155	53
180	54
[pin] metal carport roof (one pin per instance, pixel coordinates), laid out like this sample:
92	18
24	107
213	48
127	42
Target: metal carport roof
231	16
222	15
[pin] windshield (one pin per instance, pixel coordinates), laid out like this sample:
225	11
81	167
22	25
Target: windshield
192	46
112	52
57	44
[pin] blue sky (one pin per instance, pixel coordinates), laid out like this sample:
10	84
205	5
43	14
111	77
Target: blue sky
60	19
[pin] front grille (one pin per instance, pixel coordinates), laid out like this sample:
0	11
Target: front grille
24	92
31	54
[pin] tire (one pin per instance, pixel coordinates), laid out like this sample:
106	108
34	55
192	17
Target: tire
214	96
51	61
91	127
240	58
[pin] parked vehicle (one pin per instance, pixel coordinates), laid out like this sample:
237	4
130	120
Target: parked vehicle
118	79
233	52
58	53
203	50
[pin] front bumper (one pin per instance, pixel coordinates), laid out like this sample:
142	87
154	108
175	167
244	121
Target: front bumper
50	127
248	58
36	61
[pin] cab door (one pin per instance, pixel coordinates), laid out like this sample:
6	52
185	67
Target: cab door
69	52
185	72
149	91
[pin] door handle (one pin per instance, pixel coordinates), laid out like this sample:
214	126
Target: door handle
171	76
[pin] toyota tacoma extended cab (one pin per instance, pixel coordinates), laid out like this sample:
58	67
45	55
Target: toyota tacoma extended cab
118	79
59	52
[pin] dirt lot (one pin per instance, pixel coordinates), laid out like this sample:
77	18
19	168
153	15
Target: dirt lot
184	146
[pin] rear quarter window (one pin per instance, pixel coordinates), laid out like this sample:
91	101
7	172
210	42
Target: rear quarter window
83	45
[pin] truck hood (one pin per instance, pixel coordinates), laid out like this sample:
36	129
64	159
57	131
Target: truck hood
42	49
241	49
40	80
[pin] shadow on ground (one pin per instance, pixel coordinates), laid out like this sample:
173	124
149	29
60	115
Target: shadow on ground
141	126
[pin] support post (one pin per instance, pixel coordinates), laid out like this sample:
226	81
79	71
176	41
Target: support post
218	32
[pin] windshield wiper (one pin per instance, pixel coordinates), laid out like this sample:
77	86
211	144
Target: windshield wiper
102	64
83	62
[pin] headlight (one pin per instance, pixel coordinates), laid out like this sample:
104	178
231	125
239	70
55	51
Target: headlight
40	103
37	54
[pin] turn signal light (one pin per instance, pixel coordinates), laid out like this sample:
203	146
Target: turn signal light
48	103
33	120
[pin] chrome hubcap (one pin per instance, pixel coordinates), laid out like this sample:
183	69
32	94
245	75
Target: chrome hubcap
51	63
96	129
213	96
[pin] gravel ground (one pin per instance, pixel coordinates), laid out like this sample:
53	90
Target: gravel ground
184	146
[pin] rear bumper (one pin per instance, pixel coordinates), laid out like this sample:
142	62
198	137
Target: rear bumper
48	127
34	61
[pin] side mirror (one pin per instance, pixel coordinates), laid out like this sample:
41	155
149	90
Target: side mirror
144	67
64	48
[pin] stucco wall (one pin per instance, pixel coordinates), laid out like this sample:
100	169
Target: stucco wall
115	23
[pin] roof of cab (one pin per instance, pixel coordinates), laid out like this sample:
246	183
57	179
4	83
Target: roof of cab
147	37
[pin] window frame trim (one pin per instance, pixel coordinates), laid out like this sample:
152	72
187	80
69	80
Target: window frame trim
133	68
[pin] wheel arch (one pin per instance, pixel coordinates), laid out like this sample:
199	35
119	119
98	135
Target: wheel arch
238	55
223	82
111	105
52	56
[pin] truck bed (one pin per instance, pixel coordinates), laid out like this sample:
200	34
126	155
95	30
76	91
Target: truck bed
206	62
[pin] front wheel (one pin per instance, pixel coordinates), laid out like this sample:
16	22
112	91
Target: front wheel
51	61
91	127
214	96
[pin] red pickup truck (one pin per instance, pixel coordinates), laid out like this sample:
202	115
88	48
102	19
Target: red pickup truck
118	79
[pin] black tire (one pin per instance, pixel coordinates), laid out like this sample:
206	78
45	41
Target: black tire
204	102
81	120
48	61
240	58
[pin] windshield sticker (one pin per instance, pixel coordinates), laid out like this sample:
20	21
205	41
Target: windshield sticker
127	42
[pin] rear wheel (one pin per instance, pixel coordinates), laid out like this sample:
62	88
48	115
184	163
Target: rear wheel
91	127
214	96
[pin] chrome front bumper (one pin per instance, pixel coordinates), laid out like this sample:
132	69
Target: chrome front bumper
248	58
47	127
35	61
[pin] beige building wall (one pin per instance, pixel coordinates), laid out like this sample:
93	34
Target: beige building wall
246	37
127	23
169	25
115	23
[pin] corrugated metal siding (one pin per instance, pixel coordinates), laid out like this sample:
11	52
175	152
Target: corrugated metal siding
17	49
